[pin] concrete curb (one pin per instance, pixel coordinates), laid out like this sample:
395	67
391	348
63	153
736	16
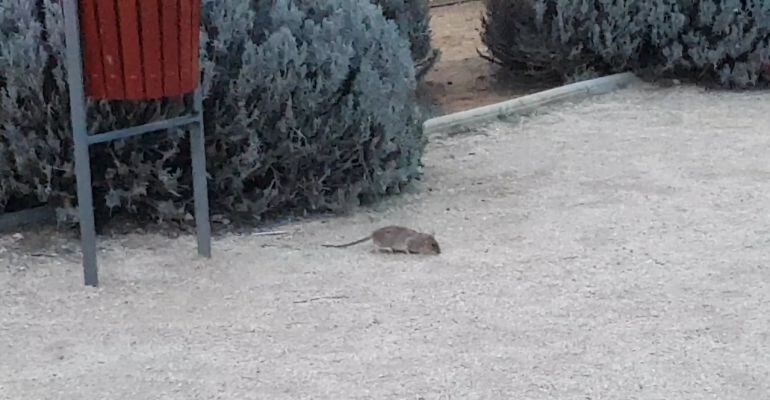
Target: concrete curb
525	104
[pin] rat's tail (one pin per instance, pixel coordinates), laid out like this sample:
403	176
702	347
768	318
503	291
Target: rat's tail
348	244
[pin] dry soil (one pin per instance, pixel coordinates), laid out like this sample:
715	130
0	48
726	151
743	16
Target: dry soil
461	79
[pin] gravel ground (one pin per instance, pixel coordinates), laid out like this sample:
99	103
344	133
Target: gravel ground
612	249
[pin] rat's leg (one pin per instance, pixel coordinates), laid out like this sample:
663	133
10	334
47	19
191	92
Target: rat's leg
399	246
379	249
408	246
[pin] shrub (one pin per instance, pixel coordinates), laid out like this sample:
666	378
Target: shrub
413	20
725	40
298	116
30	134
728	40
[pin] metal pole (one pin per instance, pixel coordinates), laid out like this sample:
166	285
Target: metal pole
80	135
200	186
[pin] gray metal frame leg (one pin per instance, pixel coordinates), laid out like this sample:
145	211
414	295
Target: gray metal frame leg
200	185
86	215
80	135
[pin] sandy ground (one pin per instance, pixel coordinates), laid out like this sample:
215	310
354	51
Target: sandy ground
612	249
461	79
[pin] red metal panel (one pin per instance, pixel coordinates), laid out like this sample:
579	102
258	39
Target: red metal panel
140	49
170	34
185	45
92	52
108	37
196	28
151	48
132	57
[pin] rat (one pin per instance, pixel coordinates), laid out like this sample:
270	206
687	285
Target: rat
398	239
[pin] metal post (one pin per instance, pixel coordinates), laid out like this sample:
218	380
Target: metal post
200	186
80	135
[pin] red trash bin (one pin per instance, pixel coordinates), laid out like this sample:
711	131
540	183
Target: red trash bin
140	49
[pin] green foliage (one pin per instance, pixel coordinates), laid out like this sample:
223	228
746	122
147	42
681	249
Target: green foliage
308	106
30	139
413	20
729	39
722	40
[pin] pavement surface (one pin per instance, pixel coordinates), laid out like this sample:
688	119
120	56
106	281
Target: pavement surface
616	248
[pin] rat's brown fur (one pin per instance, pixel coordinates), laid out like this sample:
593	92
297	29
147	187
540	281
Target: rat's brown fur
398	239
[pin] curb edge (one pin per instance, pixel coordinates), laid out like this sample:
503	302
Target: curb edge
525	104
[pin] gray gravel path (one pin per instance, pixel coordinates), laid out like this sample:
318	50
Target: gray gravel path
613	249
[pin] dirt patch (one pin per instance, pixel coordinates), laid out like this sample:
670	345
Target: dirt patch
461	79
612	249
